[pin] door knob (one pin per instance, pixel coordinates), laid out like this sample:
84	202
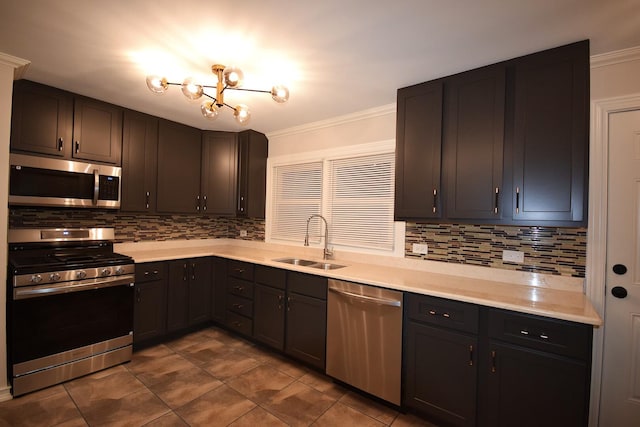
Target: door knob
619	292
619	268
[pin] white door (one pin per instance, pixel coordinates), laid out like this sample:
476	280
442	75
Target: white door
620	399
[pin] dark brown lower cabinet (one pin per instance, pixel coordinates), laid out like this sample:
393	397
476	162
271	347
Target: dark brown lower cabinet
269	316
189	293
306	327
150	308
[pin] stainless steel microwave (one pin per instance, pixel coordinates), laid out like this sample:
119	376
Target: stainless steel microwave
43	181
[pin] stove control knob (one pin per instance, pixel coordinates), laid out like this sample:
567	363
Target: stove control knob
54	277
105	272
81	274
119	270
36	278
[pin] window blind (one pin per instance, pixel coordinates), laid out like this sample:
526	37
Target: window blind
297	190
360	203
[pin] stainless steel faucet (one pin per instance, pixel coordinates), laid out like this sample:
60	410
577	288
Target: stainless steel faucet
327	253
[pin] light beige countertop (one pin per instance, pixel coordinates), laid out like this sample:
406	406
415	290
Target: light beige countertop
558	297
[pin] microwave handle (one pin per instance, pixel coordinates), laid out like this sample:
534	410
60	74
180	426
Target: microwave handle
96	186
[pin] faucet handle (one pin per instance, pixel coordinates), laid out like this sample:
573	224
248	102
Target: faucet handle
328	253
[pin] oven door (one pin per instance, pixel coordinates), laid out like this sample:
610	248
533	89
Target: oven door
45	325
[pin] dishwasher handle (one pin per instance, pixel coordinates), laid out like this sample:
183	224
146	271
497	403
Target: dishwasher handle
375	300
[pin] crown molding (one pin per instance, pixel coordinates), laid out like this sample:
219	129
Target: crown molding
19	65
335	121
615	57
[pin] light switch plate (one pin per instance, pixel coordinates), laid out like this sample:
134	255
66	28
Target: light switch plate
513	256
243	233
420	248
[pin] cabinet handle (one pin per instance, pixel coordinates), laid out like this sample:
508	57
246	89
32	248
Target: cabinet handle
138	298
493	360
238	306
471	355
524	332
517	200
185	273
495	207
544	336
289	299
198	203
237	324
435	200
239	288
77	147
204	199
60	144
147	196
280	298
193	271
155	272
239	270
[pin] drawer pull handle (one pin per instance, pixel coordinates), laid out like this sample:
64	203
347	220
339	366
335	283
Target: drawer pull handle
523	332
544	336
493	361
239	288
432	312
471	355
447	315
239	270
237	324
238	306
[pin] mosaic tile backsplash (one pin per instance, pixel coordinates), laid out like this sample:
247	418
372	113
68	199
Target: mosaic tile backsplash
140	227
551	250
559	251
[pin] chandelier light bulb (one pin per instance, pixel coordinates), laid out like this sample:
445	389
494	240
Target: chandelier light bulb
233	77
280	93
157	84
242	114
191	90
209	110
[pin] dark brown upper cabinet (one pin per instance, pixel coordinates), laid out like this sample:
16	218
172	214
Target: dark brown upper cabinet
52	122
179	151
139	162
418	151
550	142
513	138
252	174
219	172
473	143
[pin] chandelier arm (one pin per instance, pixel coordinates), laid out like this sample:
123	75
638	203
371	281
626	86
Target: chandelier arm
250	90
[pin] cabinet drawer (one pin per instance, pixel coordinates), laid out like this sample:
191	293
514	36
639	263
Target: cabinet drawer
271	276
240	287
456	315
239	323
542	333
241	270
149	271
240	305
307	284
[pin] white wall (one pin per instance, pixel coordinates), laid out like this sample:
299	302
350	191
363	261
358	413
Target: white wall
615	74
10	67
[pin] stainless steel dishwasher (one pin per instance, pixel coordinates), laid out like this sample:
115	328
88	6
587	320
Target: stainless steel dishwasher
364	338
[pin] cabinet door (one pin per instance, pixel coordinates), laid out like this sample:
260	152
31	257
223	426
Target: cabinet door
306	330
533	388
178	168
473	143
219	290
139	162
252	174
550	136
150	310
219	172
97	131
178	295
199	290
41	119
268	316
418	151
441	373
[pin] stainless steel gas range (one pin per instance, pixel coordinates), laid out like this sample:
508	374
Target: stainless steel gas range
69	305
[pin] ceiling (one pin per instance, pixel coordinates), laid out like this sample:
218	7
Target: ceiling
336	56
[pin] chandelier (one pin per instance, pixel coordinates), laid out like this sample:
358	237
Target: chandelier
228	78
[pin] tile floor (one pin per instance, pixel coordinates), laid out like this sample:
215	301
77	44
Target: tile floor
206	378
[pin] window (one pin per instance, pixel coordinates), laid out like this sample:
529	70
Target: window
354	192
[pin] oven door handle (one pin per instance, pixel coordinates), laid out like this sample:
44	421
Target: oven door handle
77	286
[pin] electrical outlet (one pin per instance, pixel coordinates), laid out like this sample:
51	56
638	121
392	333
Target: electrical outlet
243	233
513	256
420	248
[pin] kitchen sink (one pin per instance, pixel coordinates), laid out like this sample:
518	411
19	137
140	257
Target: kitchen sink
309	263
295	261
